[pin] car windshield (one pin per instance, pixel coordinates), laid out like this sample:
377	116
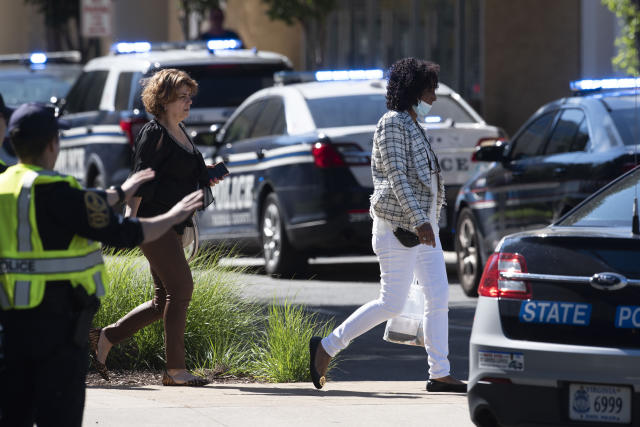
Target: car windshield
357	110
18	88
611	207
227	85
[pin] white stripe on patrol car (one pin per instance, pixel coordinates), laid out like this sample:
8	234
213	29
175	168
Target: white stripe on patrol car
248	162
555	312
93	139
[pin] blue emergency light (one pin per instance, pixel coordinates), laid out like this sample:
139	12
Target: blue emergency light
38	58
224	44
602	84
337	75
132	47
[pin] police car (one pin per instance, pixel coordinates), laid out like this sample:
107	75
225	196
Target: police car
35	77
299	157
556	332
105	110
564	152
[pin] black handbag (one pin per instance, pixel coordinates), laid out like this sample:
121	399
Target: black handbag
406	237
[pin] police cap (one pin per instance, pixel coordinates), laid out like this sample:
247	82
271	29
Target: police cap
33	120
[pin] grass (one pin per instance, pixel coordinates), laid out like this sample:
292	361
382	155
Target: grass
224	332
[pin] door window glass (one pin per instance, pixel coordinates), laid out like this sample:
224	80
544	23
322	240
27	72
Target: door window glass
86	94
123	91
582	137
273	109
242	125
530	142
565	132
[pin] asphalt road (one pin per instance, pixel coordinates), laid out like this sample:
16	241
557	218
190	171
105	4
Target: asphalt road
335	287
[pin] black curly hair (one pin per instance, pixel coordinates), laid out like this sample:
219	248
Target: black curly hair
408	78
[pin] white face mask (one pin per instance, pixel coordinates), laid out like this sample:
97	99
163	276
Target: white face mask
422	108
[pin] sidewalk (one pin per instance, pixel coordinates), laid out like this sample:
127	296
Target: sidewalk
348	403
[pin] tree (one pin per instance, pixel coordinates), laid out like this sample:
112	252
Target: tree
312	15
62	22
628	43
198	6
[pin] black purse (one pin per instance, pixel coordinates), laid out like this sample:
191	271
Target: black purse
406	237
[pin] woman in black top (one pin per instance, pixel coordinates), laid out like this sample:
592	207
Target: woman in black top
163	145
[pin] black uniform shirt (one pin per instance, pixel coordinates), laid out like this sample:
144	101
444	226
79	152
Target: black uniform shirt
63	211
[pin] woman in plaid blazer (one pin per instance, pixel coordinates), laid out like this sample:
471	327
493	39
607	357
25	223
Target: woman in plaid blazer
405	206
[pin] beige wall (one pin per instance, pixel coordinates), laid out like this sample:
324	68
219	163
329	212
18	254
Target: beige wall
249	19
21	28
532	52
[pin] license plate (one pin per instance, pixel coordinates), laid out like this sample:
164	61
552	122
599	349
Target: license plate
599	403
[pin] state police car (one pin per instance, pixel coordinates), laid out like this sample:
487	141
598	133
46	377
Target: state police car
105	110
300	164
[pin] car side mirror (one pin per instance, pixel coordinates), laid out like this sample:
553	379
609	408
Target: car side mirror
489	150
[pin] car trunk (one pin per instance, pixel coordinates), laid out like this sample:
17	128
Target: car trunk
571	310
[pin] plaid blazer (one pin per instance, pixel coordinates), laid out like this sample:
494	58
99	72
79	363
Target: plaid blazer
403	165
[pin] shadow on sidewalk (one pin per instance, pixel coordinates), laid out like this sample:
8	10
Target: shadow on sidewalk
278	391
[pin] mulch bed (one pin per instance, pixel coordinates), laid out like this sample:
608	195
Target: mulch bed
119	379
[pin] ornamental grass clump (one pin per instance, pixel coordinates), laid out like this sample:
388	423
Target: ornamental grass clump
282	352
225	333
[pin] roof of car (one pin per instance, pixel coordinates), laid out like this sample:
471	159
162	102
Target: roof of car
143	61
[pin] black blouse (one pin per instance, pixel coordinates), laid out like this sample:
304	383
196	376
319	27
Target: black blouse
178	171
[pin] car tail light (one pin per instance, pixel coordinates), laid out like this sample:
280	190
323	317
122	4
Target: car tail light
626	167
332	155
485	142
494	286
131	126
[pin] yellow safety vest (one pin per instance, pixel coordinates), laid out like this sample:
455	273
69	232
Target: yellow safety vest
25	265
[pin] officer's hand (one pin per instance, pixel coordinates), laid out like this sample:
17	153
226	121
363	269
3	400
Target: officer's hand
130	186
425	234
185	207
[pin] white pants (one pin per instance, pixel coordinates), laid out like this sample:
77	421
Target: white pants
398	264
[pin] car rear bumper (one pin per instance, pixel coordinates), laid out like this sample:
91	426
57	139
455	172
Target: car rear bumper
529	405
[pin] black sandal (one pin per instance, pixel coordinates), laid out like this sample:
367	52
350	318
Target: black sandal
318	380
94	337
168	380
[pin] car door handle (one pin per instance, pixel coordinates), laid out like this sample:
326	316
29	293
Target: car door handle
89	130
260	153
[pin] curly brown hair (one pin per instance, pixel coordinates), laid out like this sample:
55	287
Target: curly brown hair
162	87
408	78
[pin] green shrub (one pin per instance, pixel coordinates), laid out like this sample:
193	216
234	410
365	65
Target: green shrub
224	332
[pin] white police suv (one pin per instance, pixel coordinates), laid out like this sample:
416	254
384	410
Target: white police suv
105	109
300	162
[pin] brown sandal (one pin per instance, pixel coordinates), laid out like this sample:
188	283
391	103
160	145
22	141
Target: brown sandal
94	337
168	380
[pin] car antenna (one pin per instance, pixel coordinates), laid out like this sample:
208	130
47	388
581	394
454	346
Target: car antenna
635	221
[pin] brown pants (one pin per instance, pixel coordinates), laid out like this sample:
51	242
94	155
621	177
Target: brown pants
173	288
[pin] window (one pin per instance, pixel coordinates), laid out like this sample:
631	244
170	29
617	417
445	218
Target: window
447	108
86	93
268	124
530	141
353	110
241	126
571	126
123	91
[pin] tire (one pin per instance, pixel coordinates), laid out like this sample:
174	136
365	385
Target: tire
280	258
467	246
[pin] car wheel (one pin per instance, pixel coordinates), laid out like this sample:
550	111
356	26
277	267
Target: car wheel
279	257
467	247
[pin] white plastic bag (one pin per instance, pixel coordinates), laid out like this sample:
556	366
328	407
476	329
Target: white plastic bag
407	327
191	239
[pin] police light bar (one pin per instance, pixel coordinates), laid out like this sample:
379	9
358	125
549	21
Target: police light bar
602	84
41	58
38	58
131	47
338	75
223	44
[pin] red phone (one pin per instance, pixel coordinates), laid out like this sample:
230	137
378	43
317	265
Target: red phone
217	171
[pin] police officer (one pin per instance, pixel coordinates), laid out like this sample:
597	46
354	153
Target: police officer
5	114
51	271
